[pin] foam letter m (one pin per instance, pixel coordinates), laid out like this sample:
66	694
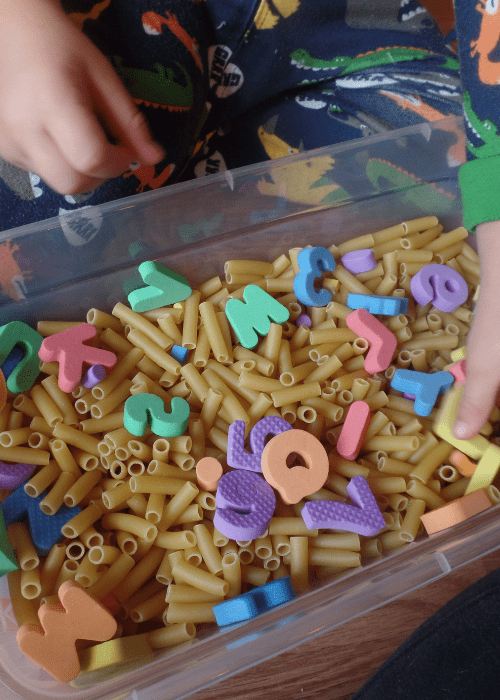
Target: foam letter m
254	314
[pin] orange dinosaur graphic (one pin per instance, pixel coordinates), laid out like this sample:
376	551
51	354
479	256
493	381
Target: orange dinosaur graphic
146	176
456	152
203	143
152	23
80	17
11	276
489	34
388	48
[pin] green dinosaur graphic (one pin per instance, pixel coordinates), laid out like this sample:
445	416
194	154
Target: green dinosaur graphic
485	130
156	89
382	57
425	196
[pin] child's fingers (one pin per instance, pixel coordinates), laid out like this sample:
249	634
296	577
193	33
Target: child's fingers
483	344
122	118
12	153
477	403
81	138
482	373
47	161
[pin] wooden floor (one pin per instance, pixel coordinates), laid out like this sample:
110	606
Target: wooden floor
335	665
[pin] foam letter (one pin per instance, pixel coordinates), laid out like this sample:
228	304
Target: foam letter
12	359
245	504
209	473
382	341
359	261
458	370
425	387
293	483
3	391
476	446
237	457
312	263
385	306
26	371
45	530
68	349
366	519
13	475
457	511
254	314
486	470
52	643
8	561
164	288
144	409
254	602
354	430
441	285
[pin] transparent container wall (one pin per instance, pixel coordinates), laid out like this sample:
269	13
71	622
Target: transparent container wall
193	228
330	193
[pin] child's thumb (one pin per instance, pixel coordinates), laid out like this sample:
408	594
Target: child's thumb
147	149
121	116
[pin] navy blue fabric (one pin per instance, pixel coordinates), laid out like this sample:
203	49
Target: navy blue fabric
478	26
226	84
243	64
452	656
175	108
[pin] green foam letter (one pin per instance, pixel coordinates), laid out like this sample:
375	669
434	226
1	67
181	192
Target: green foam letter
27	370
144	409
254	314
165	287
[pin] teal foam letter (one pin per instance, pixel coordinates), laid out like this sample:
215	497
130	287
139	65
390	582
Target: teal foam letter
254	314
164	288
144	409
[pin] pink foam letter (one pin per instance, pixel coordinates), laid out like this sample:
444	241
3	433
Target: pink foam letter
458	371
354	430
68	349
382	341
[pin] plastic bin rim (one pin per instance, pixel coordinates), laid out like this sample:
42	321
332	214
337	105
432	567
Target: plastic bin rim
228	176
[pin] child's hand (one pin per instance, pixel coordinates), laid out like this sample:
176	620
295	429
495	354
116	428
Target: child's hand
56	92
483	344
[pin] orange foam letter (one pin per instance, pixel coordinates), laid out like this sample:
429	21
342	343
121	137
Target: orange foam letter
52	643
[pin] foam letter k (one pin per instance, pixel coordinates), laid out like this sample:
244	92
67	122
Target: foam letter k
68	349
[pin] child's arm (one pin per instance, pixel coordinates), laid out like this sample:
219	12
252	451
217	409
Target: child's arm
57	91
478	28
483	345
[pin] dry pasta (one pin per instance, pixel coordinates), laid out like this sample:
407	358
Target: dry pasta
144	522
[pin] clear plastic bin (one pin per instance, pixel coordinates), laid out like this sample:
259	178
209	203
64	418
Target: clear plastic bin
193	228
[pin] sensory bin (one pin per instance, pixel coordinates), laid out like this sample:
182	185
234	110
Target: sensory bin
336	587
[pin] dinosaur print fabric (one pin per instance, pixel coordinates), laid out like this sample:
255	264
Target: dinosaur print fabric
479	50
227	83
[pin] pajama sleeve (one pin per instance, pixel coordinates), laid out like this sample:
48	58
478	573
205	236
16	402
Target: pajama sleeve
478	29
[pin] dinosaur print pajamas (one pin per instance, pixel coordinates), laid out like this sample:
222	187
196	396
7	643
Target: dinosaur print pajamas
227	83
